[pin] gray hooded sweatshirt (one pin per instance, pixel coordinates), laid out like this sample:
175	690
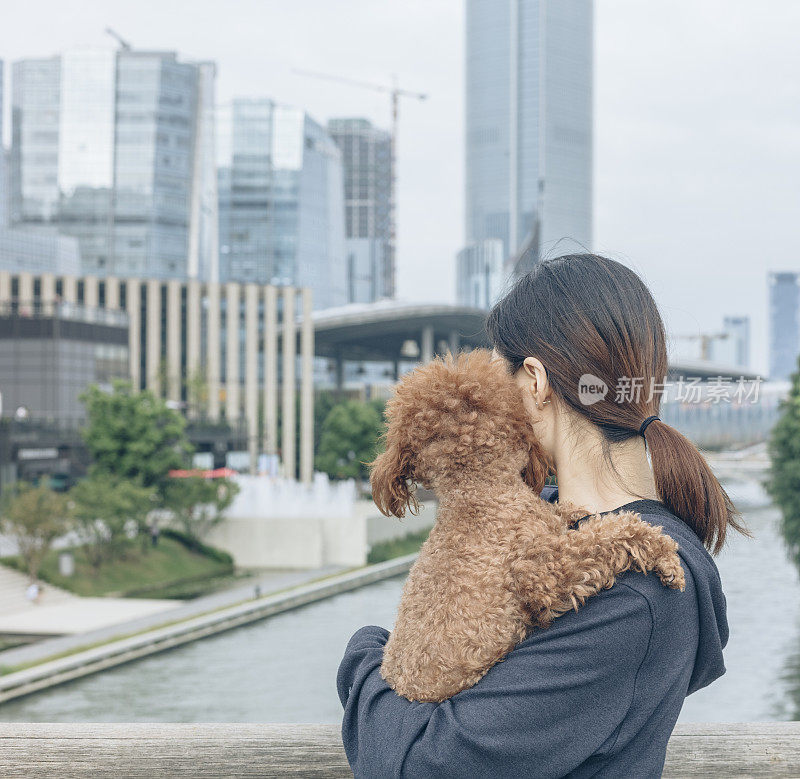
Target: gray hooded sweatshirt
595	694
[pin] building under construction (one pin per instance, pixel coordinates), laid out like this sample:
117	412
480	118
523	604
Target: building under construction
367	162
360	135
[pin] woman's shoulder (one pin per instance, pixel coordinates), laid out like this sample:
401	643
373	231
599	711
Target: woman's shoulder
615	631
639	611
699	567
614	626
636	609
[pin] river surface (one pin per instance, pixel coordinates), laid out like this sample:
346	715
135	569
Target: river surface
284	669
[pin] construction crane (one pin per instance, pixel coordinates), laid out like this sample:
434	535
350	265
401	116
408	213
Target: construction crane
706	339
123	44
395	94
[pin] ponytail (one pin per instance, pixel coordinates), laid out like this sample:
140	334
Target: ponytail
688	487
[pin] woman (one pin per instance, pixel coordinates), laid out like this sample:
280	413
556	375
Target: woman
598	693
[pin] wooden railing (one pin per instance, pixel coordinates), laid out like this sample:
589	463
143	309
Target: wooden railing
243	750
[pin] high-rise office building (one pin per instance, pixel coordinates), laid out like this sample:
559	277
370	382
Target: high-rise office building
784	324
529	126
27	251
24	250
479	274
734	349
4	172
281	200
116	149
367	160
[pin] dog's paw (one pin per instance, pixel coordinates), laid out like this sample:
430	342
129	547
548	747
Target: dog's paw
670	572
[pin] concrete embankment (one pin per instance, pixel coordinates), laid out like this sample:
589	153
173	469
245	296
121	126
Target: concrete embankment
49	673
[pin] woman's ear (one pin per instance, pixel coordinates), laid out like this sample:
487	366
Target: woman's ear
535	376
389	476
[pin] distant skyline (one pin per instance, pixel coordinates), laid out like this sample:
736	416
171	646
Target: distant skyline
281	200
697	107
116	149
529	128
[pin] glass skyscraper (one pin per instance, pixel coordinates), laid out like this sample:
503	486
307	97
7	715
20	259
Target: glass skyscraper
735	348
116	149
367	159
479	273
4	179
529	126
281	200
784	324
24	250
33	252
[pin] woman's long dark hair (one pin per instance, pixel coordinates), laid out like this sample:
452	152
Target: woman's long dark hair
584	314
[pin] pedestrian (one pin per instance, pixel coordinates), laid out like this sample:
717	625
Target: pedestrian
33	592
155	532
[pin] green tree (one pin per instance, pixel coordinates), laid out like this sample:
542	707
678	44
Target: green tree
134	435
323	403
108	514
34	517
783	483
197	504
349	439
196	392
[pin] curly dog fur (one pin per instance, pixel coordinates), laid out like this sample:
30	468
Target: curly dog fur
499	559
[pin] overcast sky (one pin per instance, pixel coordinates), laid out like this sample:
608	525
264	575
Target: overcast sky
697	106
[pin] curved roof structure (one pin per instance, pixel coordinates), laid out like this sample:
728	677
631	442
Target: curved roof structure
705	370
377	331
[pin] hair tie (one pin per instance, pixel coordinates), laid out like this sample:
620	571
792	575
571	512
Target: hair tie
647	421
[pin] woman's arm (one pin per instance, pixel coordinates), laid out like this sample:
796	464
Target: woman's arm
557	699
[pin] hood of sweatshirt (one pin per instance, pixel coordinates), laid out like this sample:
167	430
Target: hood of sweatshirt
711	602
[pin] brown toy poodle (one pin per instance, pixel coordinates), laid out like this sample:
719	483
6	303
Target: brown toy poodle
499	559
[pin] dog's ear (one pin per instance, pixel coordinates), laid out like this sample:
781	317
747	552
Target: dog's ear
538	468
389	477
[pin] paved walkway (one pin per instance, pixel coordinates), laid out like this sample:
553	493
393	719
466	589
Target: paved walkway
267	583
13	597
79	615
59	612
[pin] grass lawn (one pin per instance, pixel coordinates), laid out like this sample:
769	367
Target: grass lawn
397	547
169	570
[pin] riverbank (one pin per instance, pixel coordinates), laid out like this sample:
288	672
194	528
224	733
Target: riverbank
397	547
176	564
35	671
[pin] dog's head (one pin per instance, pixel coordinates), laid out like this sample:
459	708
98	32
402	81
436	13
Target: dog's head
450	418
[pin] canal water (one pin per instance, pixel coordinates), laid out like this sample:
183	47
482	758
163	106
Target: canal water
284	669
